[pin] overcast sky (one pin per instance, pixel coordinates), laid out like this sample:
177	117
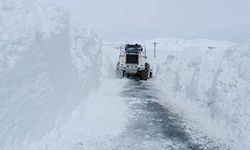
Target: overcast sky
123	19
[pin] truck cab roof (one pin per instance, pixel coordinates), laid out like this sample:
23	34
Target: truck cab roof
133	48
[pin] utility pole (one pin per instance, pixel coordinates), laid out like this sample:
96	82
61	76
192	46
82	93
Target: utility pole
155	48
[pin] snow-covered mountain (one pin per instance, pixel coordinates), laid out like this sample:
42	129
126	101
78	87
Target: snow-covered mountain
47	67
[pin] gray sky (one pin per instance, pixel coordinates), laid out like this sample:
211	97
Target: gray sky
123	19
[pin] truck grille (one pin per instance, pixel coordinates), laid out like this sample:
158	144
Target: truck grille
132	59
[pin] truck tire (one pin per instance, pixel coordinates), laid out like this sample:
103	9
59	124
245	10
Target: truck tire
151	74
145	73
123	73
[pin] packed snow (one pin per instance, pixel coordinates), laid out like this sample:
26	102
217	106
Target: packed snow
58	88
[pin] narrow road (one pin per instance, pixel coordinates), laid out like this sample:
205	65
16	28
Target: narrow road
152	126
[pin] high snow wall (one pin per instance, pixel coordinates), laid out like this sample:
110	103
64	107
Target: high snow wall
215	81
47	67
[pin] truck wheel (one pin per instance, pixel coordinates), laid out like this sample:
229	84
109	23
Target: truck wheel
123	74
145	73
150	75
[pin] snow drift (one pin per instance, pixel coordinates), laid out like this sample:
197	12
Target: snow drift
215	82
47	67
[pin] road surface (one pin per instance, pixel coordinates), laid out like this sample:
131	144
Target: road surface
152	126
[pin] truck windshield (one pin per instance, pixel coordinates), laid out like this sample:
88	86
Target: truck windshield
133	48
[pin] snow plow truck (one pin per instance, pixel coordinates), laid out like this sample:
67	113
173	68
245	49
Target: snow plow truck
133	62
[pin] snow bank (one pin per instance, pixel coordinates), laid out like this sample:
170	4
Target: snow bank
48	66
216	82
95	124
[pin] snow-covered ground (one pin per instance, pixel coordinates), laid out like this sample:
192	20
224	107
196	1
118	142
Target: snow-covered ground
211	86
58	88
48	66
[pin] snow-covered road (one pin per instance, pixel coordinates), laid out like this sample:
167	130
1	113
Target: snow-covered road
152	126
153	121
